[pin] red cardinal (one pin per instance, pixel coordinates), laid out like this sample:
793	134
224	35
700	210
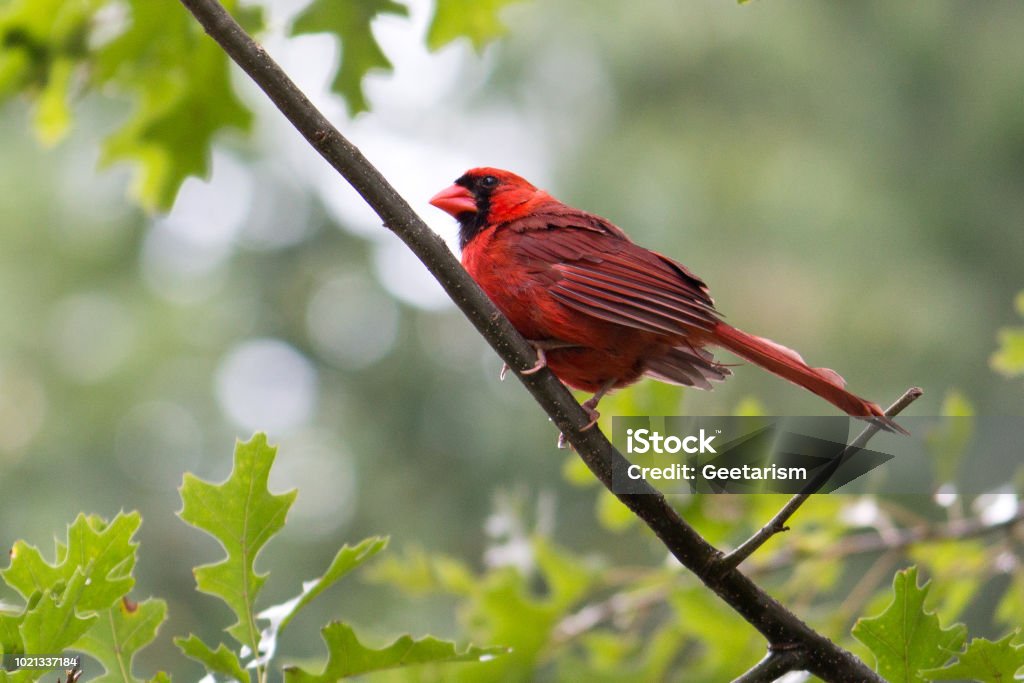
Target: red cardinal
601	311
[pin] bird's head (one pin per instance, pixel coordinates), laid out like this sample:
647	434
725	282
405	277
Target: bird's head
484	197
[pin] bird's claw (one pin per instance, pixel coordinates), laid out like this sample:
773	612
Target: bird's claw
594	416
542	362
590	407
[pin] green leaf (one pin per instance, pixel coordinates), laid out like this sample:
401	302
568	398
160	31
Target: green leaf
53	115
162	59
360	52
347	559
567	577
1011	606
179	78
959	568
220	661
92	571
501	605
504	609
949	440
1009	359
750	406
243	515
119	634
53	624
728	639
414	572
576	472
474	19
103	554
984	660
43	44
348	657
10	633
612	512
905	638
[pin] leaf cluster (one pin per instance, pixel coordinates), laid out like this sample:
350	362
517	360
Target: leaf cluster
178	80
80	602
910	645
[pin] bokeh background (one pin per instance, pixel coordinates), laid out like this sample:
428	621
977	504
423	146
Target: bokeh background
847	177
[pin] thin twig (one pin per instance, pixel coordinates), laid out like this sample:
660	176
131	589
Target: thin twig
780	627
625	604
774	665
777	524
871	542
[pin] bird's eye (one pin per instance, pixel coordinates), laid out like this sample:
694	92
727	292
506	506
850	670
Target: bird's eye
488	181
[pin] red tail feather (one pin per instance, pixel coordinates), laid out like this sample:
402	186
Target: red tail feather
788	364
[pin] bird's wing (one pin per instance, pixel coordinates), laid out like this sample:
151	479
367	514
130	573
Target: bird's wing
594	269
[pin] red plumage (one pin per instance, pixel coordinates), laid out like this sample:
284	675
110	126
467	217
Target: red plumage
602	310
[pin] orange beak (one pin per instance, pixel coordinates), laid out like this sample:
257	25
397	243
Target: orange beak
455	200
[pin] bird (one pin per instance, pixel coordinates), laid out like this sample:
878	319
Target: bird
601	311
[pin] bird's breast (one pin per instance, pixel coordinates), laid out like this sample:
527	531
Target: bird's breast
513	284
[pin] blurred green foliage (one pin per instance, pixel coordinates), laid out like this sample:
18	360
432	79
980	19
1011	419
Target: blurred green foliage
848	178
1009	359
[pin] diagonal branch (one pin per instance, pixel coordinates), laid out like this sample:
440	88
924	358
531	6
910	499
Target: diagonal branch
777	524
782	628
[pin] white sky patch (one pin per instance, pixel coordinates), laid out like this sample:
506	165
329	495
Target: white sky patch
183	250
404	276
864	512
318	464
946	495
265	384
997	507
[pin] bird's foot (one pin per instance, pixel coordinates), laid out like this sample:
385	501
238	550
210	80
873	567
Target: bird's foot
542	362
590	408
594	417
541	346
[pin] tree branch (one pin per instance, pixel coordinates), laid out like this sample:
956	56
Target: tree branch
774	665
777	524
778	625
